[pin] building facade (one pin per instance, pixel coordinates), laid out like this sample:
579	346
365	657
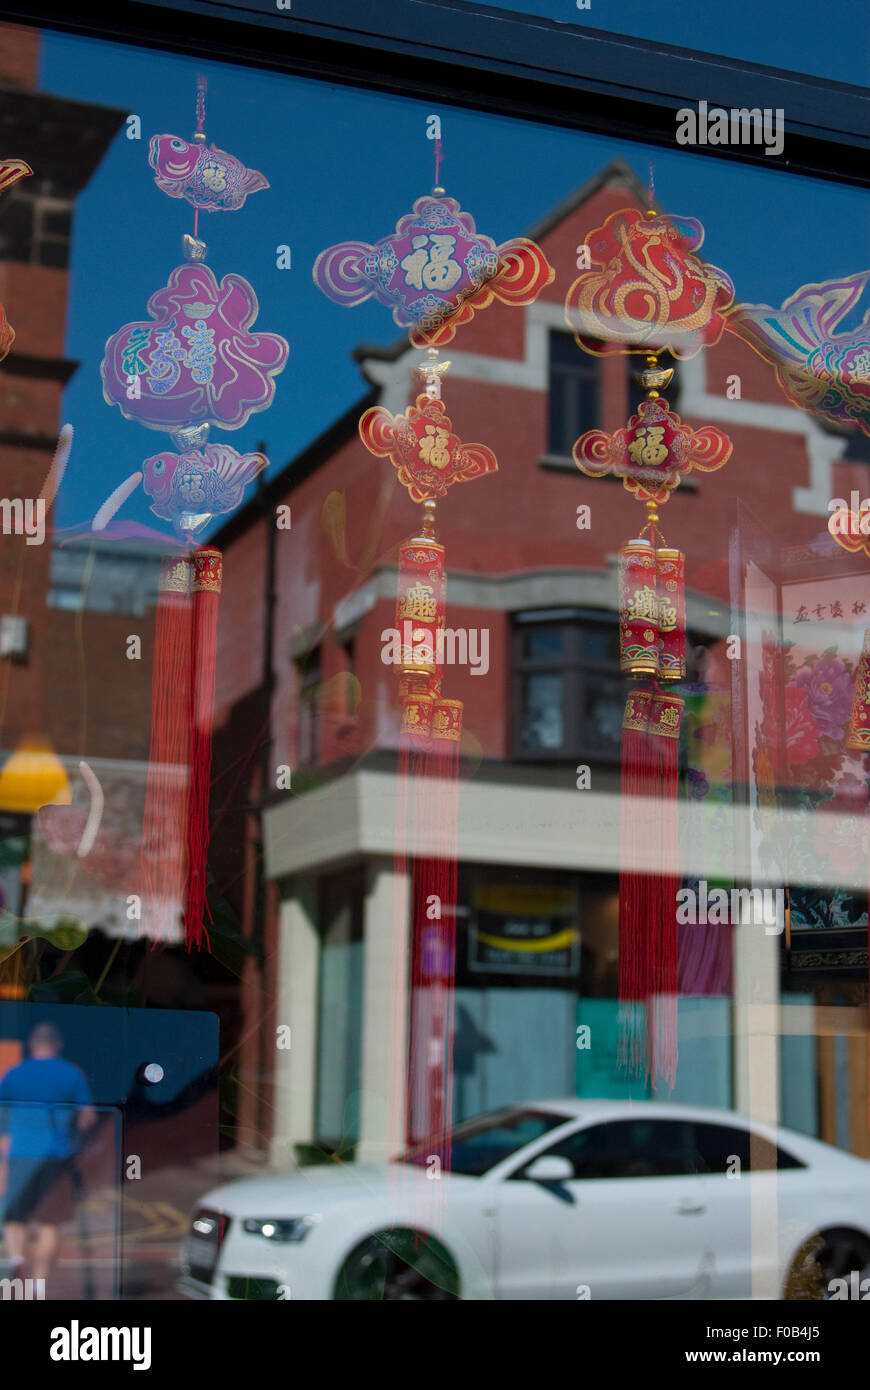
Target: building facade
767	1024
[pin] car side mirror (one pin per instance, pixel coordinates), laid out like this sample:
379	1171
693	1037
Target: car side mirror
550	1168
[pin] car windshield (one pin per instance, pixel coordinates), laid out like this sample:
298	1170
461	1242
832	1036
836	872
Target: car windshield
477	1145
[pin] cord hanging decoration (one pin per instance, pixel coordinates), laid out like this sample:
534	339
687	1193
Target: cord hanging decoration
197	361
820	370
650	294
429	459
434	272
11	172
646	289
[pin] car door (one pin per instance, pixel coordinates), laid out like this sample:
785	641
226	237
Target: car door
737	1170
629	1224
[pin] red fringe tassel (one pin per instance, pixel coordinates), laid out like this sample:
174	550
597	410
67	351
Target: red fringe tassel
164	829
206	586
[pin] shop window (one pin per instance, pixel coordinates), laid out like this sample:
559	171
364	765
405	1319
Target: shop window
568	697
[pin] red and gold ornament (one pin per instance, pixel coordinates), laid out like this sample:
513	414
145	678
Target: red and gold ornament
648	292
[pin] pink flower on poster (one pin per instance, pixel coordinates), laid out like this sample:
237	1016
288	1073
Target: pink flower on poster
801	730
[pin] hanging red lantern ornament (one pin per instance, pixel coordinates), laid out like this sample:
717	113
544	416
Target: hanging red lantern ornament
429	458
649	293
196	362
435	272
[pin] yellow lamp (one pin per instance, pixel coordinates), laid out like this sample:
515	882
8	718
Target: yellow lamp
34	776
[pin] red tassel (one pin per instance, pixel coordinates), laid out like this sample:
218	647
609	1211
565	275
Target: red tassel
446	734
648	885
206	588
636	883
164	829
665	716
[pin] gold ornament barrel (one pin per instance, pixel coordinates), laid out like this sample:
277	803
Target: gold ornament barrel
638	610
665	715
420	607
670	565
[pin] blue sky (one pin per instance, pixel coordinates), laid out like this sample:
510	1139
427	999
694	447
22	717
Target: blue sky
346	164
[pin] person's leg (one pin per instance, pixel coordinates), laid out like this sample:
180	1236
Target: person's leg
16	1238
44	1250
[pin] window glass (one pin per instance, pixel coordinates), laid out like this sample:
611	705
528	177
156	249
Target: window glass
545	644
724	1149
575	708
628	1149
574	393
542	723
296	891
480	1144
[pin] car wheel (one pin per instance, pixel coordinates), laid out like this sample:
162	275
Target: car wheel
398	1265
826	1256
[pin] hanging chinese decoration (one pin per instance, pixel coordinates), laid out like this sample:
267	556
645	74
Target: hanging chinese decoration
429	459
645	291
11	172
435	272
195	362
820	370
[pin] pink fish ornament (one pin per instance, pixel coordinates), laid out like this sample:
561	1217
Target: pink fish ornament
209	178
189	489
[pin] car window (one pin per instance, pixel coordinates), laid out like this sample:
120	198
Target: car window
728	1149
479	1144
637	1148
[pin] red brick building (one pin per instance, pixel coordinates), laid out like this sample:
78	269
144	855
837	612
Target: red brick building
302	685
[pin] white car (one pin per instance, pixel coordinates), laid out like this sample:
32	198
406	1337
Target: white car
566	1199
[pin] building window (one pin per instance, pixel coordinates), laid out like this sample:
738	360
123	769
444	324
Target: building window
576	392
575	388
568	694
35	228
308	724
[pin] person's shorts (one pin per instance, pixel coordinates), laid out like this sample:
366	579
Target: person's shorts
40	1190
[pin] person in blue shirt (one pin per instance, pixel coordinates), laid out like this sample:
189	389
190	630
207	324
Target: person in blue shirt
45	1109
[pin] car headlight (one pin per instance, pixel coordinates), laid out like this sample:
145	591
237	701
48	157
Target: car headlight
291	1228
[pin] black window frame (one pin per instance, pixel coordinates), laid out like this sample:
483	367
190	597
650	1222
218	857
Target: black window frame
576	670
469	55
